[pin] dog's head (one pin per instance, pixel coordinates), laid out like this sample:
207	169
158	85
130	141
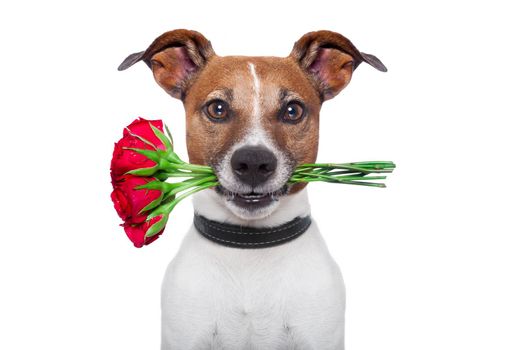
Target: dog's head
253	119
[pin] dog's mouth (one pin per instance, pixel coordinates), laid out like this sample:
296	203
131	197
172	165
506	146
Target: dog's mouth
252	200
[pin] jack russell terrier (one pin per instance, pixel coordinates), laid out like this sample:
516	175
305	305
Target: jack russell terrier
253	272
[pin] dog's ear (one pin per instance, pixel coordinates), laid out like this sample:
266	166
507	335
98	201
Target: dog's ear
330	59
175	58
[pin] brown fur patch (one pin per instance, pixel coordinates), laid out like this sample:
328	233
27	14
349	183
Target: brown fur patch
208	141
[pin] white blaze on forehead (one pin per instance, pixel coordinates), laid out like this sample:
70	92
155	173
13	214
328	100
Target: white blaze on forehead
256	92
256	134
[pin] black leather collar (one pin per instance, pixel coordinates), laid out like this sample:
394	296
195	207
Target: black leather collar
251	237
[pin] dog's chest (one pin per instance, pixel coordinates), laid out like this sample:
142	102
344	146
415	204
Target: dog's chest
286	297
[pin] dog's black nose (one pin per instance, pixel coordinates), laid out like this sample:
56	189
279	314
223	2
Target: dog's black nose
253	164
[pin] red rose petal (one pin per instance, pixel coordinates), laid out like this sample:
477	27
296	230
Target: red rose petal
129	201
121	203
136	233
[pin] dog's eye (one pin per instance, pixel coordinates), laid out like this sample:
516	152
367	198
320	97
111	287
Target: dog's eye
293	112
217	110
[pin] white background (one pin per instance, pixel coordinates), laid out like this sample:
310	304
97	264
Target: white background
435	261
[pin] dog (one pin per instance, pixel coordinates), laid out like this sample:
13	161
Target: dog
253	272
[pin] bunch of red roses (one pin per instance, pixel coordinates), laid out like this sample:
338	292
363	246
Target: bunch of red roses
142	160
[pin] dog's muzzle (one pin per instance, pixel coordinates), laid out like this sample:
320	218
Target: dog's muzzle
253	178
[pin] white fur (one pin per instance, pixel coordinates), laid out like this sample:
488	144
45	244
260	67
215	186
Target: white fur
256	92
290	296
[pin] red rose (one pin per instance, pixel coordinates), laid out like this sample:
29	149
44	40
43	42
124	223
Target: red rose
137	232
125	160
134	205
129	201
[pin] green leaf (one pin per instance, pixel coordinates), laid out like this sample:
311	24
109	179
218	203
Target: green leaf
152	205
143	171
162	137
163	209
169	134
154	185
156	227
151	155
173	157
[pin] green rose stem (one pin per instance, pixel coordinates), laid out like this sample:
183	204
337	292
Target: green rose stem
200	177
165	209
